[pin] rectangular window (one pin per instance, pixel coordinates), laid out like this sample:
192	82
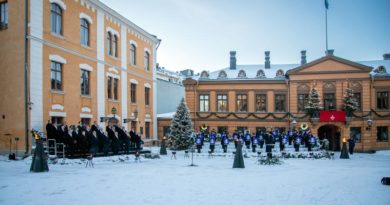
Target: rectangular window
203	103
382	134
109	86
261	103
242	103
3	15
302	102
222	129
242	129
116	89
147	130
133	93
166	131
146	61
84	82
356	133
57	121
85	121
56	19
147	96
222	102
329	101
382	100
358	99
56	75
280	103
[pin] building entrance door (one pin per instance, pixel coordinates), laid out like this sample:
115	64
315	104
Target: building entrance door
332	134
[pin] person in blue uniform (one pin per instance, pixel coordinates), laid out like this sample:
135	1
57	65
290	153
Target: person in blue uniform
201	134
247	139
213	139
297	142
290	137
255	141
235	138
282	141
312	142
260	136
224	142
351	143
198	142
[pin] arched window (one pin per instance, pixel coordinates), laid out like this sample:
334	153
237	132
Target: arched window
241	74
260	74
133	50
222	74
146	61
56	19
115	46
279	73
204	74
84	32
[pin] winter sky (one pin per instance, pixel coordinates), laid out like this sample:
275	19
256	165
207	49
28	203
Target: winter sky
198	34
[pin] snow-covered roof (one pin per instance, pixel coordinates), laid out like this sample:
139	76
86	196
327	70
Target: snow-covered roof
254	71
377	72
168	115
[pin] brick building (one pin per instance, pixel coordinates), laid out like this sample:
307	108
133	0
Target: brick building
252	97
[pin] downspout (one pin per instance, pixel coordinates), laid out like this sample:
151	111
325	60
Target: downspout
26	104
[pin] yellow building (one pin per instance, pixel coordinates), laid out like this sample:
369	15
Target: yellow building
73	60
252	97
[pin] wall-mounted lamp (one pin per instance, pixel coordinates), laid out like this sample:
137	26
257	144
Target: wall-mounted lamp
369	124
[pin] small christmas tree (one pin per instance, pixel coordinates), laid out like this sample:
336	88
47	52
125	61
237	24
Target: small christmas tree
314	103
181	128
350	103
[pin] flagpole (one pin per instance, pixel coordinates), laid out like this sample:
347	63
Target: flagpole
326	28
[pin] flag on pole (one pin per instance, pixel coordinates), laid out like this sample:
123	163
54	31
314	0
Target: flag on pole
326	4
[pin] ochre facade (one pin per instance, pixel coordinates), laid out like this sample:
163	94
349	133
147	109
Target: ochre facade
43	46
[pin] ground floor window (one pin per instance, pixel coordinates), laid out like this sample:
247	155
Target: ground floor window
356	133
166	131
85	121
147	130
242	129
382	134
222	129
57	120
261	129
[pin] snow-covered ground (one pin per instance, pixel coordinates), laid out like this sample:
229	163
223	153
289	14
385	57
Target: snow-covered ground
120	180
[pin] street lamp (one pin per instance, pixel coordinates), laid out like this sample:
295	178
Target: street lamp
369	124
294	123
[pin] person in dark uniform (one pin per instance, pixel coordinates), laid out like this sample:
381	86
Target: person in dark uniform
75	137
113	135
213	139
83	142
104	141
290	136
224	142
247	139
268	142
255	141
93	142
198	142
124	140
351	143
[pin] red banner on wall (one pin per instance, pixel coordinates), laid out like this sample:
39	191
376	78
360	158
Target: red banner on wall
332	116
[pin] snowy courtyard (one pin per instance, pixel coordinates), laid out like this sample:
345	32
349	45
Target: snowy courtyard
122	180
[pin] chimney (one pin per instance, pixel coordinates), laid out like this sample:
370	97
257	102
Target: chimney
303	57
233	60
386	56
267	63
329	52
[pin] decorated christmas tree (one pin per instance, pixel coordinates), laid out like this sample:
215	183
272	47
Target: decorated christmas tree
181	128
350	103
313	105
